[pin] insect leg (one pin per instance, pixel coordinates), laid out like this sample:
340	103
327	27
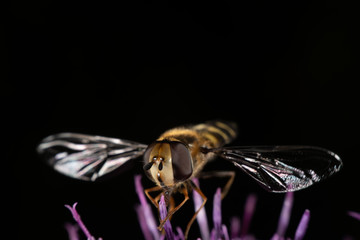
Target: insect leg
197	211
172	211
155	200
221	174
171	204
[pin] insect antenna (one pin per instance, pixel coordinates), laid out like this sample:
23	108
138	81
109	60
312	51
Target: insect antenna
148	166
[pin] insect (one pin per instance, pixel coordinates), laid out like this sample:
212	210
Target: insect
180	154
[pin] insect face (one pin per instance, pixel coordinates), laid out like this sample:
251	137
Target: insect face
168	162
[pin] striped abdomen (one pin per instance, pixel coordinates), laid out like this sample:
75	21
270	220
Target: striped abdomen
218	133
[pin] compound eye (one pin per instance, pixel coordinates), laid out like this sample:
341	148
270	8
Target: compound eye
181	161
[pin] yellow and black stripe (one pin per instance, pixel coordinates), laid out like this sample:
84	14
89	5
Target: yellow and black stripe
217	132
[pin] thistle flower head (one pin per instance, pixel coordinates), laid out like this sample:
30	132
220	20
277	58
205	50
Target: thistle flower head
219	230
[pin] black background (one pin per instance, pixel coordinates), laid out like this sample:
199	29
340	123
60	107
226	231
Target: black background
284	71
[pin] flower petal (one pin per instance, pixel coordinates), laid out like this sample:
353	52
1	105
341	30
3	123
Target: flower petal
217	213
163	213
301	229
201	217
143	222
235	227
285	215
248	214
355	215
78	220
225	232
72	230
180	235
147	213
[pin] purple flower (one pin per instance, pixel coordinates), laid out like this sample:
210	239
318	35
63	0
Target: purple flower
145	216
219	230
72	230
150	231
301	229
285	218
147	220
249	210
201	217
167	226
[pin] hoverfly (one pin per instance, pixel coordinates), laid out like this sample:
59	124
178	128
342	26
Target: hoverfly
180	154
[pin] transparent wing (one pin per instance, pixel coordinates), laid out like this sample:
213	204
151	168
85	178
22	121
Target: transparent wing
283	168
87	157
